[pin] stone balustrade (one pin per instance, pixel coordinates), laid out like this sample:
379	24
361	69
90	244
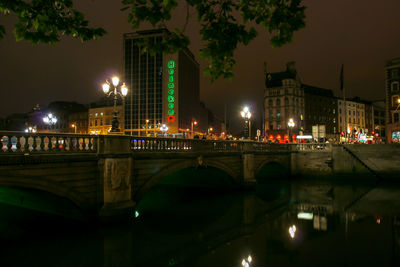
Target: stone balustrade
22	143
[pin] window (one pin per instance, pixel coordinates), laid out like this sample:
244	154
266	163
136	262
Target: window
395	86
334	111
394	100
395	73
286	101
270	103
395	117
278	102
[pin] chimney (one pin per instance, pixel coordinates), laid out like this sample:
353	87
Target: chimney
291	67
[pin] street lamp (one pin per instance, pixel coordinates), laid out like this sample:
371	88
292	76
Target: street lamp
31	129
246	115
163	129
147	125
194	123
123	92
50	120
291	125
74	126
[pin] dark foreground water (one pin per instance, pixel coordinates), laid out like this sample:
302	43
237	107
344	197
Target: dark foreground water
277	224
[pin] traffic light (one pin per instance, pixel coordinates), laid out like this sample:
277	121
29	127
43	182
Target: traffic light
373	133
341	133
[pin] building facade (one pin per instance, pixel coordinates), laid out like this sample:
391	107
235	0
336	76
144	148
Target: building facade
320	109
351	118
378	119
100	119
164	88
392	81
283	100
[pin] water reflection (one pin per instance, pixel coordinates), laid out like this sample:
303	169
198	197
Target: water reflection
280	224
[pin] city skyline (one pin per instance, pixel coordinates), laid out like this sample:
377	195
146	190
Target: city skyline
73	71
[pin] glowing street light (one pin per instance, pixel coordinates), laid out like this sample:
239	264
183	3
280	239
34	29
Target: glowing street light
74	126
292	231
164	128
246	262
194	123
123	92
291	125
246	115
31	129
147	125
50	119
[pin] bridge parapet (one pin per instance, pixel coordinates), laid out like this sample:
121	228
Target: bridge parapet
23	143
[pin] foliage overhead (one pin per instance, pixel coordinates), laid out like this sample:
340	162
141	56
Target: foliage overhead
45	21
223	24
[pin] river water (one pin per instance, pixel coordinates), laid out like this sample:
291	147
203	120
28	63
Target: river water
288	223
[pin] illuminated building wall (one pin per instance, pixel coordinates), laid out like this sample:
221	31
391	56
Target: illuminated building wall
392	84
163	88
100	119
283	99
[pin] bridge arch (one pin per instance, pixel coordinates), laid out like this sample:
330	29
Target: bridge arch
185	164
45	186
271	168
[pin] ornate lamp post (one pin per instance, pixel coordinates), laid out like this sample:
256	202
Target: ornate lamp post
246	115
290	125
50	120
123	92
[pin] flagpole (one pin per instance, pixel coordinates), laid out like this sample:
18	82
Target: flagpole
342	87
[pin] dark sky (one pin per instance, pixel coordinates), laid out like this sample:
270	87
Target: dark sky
362	34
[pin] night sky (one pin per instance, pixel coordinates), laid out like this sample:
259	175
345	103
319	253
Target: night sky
361	34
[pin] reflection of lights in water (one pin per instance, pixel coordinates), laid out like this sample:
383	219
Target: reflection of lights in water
136	214
246	262
292	231
378	220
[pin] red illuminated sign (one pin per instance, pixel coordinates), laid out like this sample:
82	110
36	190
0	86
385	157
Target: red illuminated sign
171	118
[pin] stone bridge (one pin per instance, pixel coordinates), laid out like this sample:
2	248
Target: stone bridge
108	175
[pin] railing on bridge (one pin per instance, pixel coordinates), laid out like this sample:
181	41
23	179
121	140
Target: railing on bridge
146	144
20	142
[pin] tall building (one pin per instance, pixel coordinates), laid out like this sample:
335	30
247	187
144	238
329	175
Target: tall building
320	109
283	100
392	81
164	88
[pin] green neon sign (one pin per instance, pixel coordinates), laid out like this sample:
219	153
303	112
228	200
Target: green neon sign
171	86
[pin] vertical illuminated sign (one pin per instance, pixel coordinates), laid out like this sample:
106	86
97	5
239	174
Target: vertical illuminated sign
171	91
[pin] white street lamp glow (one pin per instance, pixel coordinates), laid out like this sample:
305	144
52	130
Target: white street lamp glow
106	88
115	80
246	109
124	90
46	120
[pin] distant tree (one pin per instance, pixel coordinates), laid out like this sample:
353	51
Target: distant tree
223	24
